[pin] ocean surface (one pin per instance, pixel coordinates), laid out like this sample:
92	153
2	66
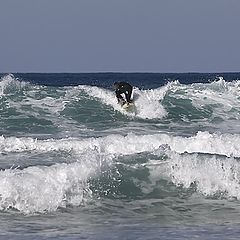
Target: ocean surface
75	165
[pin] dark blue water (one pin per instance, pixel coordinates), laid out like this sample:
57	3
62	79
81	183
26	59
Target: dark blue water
141	80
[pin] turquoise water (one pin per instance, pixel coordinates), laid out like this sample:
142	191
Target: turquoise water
75	165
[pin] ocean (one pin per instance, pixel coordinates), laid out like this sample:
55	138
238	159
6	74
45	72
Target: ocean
75	165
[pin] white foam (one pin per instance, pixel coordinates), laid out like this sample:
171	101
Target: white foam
202	142
221	95
46	103
40	189
148	103
10	84
211	175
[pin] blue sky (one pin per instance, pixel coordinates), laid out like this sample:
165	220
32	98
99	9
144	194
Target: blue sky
119	36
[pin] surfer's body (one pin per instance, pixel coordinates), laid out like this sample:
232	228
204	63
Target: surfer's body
123	88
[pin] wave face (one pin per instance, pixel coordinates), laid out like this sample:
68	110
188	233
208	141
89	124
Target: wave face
174	159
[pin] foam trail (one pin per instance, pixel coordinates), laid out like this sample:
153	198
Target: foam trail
148	103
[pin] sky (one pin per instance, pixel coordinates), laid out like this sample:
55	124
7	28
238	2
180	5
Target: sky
119	36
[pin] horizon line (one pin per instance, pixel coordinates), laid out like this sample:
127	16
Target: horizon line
124	72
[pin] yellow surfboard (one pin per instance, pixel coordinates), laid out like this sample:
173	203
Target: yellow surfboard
128	106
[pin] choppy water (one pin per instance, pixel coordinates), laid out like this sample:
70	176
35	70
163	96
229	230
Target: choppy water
74	165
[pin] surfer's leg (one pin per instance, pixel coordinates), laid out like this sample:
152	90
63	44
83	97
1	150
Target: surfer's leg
119	97
128	95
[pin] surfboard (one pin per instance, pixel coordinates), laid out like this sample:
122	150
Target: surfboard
128	106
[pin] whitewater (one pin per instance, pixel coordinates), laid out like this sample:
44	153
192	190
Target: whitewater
75	165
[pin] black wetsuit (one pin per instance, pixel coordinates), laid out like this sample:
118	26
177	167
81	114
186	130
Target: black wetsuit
126	88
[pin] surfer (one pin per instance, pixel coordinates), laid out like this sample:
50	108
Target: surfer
123	88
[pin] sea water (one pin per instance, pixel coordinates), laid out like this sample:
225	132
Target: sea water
75	165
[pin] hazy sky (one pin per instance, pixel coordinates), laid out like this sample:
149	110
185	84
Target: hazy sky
119	35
